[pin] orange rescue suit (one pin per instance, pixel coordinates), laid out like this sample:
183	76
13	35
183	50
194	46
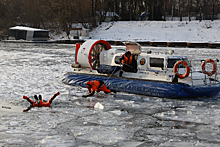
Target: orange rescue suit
127	60
96	86
41	103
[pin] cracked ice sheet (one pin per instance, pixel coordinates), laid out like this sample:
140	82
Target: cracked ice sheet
187	144
46	141
105	135
106	128
198	115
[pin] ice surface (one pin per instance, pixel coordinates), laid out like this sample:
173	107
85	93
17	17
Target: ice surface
126	120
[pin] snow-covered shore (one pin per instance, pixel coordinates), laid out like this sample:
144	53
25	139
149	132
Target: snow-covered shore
176	31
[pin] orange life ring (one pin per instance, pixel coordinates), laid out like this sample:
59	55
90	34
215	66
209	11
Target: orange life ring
176	70
214	67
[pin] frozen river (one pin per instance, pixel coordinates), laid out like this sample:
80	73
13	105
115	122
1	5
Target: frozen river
126	120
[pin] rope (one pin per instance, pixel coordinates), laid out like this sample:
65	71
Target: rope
110	75
115	69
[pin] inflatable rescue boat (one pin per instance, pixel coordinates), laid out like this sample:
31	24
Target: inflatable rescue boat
161	75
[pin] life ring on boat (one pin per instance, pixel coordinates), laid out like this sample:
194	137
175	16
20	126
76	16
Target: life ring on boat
213	64
175	69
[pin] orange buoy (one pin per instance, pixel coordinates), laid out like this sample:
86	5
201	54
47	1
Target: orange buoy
213	64
175	69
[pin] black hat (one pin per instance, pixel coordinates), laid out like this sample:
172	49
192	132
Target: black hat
128	53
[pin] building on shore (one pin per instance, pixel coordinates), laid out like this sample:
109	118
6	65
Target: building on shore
27	33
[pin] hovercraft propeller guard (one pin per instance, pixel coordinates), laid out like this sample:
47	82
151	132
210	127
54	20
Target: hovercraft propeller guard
87	55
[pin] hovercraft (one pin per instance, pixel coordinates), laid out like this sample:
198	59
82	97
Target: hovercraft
155	74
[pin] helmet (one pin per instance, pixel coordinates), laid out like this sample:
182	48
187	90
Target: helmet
128	53
88	83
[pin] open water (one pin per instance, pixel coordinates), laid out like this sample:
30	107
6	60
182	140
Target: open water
125	121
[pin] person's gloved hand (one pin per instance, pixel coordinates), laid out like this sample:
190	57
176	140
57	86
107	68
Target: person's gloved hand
113	91
25	97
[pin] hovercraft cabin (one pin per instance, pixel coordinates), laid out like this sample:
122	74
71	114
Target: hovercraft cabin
26	33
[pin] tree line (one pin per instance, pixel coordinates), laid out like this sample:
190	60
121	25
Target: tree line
59	15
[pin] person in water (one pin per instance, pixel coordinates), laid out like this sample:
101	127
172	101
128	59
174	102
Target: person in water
39	102
97	86
127	61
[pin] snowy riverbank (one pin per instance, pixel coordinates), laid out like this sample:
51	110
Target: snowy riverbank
194	31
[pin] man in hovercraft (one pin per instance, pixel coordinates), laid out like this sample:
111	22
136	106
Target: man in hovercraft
97	86
39	102
128	62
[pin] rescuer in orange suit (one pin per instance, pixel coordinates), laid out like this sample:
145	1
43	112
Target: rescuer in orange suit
97	86
39	102
127	60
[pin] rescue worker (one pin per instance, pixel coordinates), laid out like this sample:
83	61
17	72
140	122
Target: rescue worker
39	102
33	104
127	60
97	86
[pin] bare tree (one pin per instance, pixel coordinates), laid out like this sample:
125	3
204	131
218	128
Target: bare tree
189	7
164	10
61	14
65	13
137	11
9	13
103	7
199	9
180	9
152	10
32	12
130	9
213	9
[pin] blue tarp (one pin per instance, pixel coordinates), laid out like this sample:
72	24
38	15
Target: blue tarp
149	88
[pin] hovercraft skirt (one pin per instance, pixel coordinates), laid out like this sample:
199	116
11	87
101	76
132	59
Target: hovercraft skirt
149	88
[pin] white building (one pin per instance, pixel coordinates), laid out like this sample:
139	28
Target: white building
26	33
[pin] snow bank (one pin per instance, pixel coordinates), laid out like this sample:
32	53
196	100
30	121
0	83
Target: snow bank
194	31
